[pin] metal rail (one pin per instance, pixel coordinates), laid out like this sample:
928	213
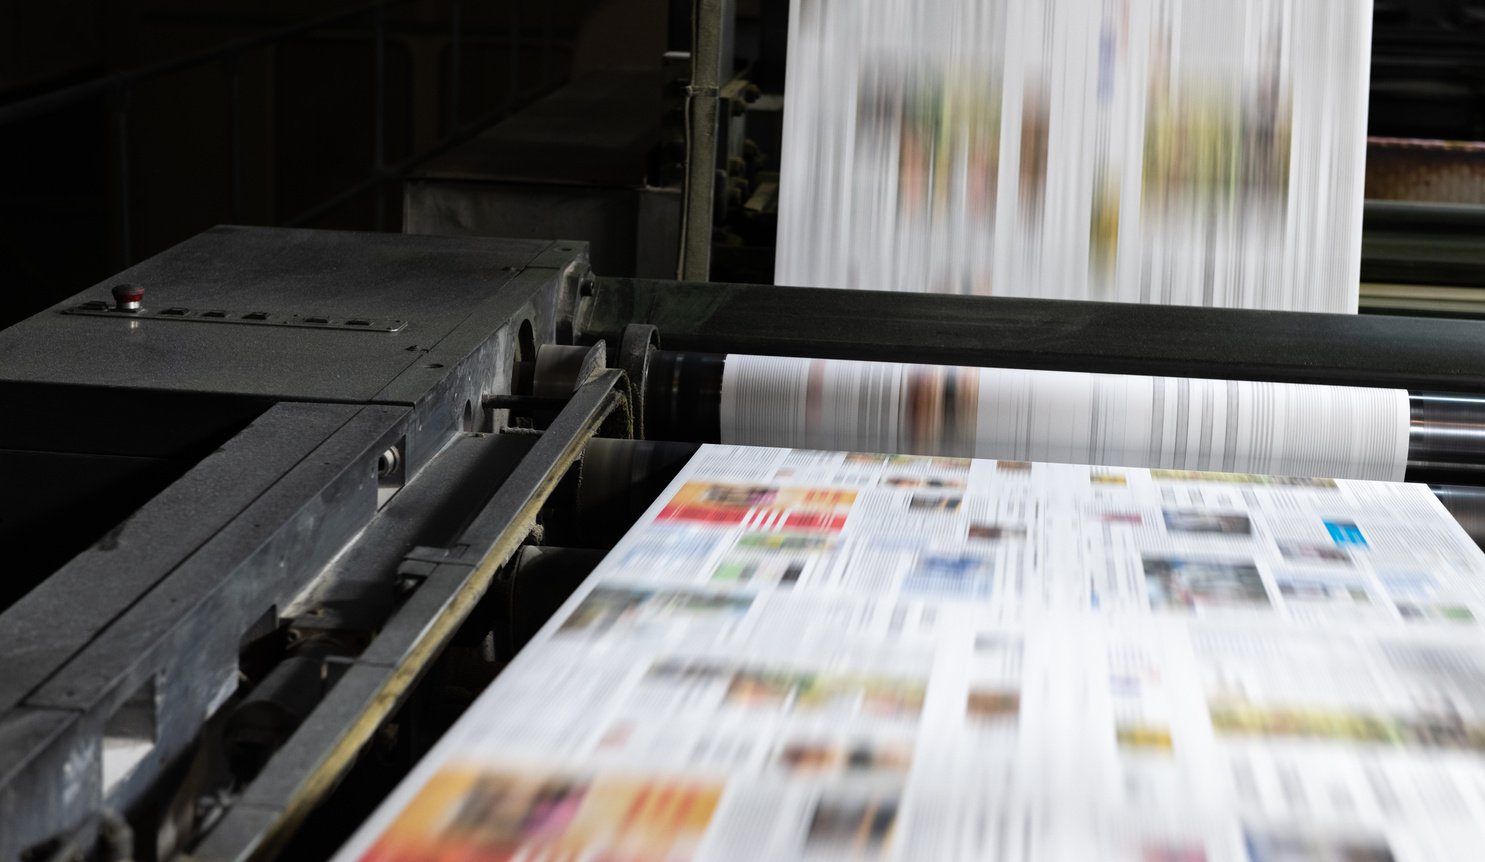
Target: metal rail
451	581
702	104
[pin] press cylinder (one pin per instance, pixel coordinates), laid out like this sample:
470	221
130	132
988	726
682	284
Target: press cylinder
1120	420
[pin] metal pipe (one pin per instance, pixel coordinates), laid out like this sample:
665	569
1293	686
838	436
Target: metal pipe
1467	505
1447	429
701	138
1421	354
270	713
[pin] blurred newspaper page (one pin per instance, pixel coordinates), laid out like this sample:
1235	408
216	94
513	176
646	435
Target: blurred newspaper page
1069	417
818	655
1191	152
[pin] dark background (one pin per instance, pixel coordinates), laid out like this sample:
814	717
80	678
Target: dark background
278	133
286	132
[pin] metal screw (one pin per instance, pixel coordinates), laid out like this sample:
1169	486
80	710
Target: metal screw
386	465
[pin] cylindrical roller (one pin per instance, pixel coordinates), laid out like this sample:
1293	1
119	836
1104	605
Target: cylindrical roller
1447	429
531	588
1467	505
560	369
272	711
609	489
1025	415
621	478
683	396
637	345
1122	420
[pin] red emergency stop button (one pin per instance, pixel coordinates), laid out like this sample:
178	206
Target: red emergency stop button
128	297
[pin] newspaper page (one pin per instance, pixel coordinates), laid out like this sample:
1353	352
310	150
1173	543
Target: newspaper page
1190	152
806	655
1233	426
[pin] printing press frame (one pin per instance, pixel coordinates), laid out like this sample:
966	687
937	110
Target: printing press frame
355	498
308	454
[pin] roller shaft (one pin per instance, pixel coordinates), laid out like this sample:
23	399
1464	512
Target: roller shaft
1445	433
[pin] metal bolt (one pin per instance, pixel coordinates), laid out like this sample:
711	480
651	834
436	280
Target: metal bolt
386	465
128	297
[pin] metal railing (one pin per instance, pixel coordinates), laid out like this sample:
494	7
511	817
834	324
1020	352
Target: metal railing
119	88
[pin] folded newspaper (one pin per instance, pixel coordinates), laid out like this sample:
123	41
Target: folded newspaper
822	655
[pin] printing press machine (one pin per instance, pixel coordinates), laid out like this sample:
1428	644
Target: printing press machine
279	503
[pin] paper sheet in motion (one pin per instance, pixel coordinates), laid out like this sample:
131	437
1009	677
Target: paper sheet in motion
1232	426
814	655
1194	152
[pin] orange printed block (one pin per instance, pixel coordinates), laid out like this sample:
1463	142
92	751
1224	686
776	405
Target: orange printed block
500	815
761	507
